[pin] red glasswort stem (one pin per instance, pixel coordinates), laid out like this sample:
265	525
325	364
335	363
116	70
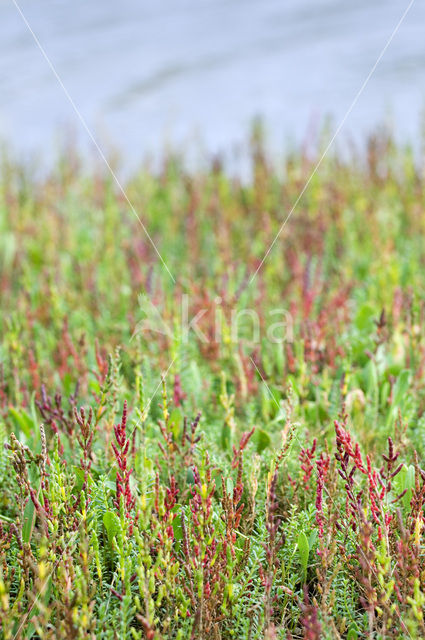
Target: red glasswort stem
306	458
123	473
322	470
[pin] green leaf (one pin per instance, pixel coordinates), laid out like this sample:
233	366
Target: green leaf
29	516
399	395
405	479
385	392
312	540
177	524
29	511
364	318
112	524
401	387
176	420
265	403
353	632
229	486
263	440
190	478
226	437
371	377
22	420
303	552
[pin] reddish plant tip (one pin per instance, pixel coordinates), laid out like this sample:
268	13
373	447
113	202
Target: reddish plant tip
120	450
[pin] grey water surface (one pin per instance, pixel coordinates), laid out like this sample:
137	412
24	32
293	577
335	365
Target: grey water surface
195	72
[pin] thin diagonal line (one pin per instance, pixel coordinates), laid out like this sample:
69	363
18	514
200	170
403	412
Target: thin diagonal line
266	385
74	535
91	136
330	143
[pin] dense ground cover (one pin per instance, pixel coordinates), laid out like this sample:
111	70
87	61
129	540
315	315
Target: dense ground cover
200	481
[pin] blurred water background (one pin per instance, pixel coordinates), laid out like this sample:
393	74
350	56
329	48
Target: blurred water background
194	73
